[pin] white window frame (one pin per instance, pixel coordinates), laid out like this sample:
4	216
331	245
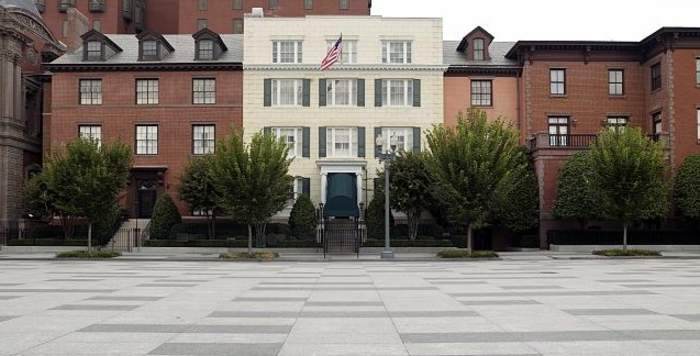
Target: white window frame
349	55
276	92
297	189
331	134
697	71
147	91
407	92
94	54
91	132
207	138
295	149
557	84
406	132
479	53
90	91
617	122
149	48
205	49
146	137
331	94
406	55
297	56
203	96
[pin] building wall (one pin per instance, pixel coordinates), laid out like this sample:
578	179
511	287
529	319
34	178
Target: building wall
458	97
111	18
119	114
686	101
368	31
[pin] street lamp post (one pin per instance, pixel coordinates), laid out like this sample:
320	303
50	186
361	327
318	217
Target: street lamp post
387	157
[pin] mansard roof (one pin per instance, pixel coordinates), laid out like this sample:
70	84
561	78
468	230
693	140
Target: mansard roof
497	61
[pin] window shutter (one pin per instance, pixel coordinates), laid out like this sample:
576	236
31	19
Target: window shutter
360	142
322	142
416	139
321	92
416	92
268	92
306	186
377	148
267	130
377	92
306	142
306	100
360	92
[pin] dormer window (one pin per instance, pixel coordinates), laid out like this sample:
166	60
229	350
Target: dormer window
478	49
94	51
205	50
150	48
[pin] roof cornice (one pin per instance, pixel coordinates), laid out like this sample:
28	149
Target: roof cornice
345	67
136	67
493	70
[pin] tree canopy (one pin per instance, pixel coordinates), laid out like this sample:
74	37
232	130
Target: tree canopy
576	198
410	184
198	191
687	189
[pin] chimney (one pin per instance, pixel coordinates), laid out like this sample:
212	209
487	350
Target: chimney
77	25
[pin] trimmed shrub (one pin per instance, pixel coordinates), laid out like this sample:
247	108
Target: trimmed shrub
165	216
616	252
303	220
247	256
576	199
687	189
86	254
466	254
375	216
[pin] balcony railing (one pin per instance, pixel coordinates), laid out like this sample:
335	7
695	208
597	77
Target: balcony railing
551	141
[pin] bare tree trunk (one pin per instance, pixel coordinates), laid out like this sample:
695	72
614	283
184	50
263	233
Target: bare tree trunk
413	222
89	247
250	239
213	226
624	237
469	238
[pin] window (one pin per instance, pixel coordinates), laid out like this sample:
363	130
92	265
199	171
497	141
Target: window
94	50
617	123
91	132
203	139
341	142
479	49
292	136
287	92
344	4
397	92
697	71
341	92
557	81
272	4
297	188
616	81
97	25
146	91
204	91
90	91
237	26
149	49
286	52
656	76
401	137
308	4
238	4
202	23
202	5
481	93
698	117
396	52
146	139
349	55
656	125
205	49
559	131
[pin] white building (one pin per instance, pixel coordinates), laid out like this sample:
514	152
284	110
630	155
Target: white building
390	83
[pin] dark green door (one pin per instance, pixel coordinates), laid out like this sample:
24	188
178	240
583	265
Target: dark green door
341	195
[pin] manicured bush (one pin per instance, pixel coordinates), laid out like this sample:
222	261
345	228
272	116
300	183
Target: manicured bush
576	199
409	243
626	253
47	242
165	216
239	242
247	256
466	254
374	215
687	189
303	220
86	254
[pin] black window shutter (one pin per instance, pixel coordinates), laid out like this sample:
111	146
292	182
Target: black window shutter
268	92
306	186
377	92
416	139
360	92
321	92
322	142
306	101
267	130
361	142
377	148
416	92
306	142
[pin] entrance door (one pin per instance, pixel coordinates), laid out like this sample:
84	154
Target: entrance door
341	196
146	201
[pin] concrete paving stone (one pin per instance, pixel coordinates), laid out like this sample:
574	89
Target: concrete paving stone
343	304
432	313
189	338
83	348
688	317
471	349
445	325
47	290
343	350
552	336
163	285
134	298
609	311
553	293
500	302
270	299
597	348
624	280
9	297
531	287
6	318
253	314
661	285
94	307
74	280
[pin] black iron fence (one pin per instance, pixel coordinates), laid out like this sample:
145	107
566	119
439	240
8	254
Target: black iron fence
128	239
614	237
342	236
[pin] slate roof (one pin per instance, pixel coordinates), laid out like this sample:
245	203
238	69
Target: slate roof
183	54
497	51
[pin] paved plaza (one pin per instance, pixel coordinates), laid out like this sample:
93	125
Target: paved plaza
511	307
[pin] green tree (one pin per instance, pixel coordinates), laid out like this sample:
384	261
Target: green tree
410	188
82	181
474	166
252	179
687	189
375	213
198	191
518	208
303	219
576	198
165	216
629	173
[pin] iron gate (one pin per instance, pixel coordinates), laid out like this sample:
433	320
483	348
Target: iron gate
342	236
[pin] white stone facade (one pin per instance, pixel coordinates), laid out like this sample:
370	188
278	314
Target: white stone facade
368	34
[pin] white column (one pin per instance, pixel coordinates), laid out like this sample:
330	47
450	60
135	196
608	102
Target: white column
324	184
359	188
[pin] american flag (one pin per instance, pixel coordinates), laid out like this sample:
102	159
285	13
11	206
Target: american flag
334	53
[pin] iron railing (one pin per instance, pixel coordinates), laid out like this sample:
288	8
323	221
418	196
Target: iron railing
127	240
343	236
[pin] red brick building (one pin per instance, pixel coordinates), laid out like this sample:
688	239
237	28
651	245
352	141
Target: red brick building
169	97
